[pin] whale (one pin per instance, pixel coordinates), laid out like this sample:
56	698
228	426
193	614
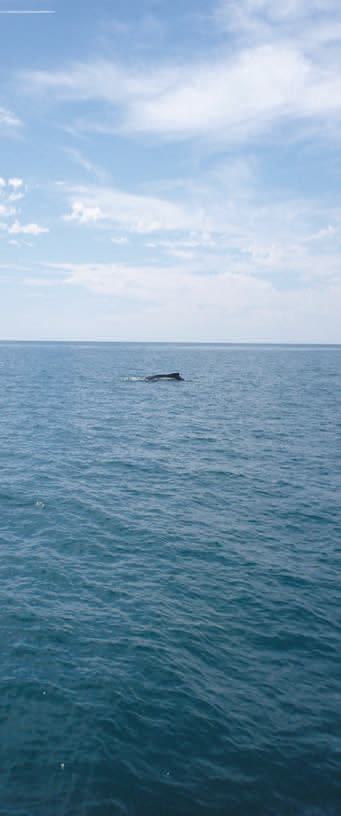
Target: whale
155	377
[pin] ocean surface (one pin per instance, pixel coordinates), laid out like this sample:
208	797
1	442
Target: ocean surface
170	580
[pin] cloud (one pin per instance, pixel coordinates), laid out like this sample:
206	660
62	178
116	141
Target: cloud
236	97
15	196
108	207
290	242
77	157
6	211
272	72
264	20
179	303
8	119
117	279
326	232
12	191
224	222
28	11
154	283
27	229
100	79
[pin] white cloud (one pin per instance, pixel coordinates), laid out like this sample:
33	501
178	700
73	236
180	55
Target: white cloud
15	196
9	211
82	161
225	222
326	232
264	20
104	206
83	214
175	302
8	119
237	97
183	243
28	229
276	74
155	284
100	79
6	211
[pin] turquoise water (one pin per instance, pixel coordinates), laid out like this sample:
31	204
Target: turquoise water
170	585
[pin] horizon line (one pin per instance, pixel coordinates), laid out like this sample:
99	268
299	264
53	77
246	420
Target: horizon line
176	342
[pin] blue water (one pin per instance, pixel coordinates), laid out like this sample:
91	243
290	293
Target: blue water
170	581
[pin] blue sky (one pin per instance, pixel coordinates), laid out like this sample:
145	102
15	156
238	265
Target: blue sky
170	171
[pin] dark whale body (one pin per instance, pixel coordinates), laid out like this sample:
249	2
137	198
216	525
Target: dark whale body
155	377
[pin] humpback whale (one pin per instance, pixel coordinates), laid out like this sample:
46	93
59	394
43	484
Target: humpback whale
155	377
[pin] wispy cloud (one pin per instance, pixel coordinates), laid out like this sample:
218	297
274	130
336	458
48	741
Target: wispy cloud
181	302
27	11
93	169
237	98
120	239
272	72
141	214
305	21
100	79
234	98
225	222
8	119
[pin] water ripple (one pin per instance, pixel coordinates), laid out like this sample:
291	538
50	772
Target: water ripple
170	581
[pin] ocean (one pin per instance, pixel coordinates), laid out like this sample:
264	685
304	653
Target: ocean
170	580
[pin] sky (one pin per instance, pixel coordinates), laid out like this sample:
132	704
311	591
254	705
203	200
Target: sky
170	171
